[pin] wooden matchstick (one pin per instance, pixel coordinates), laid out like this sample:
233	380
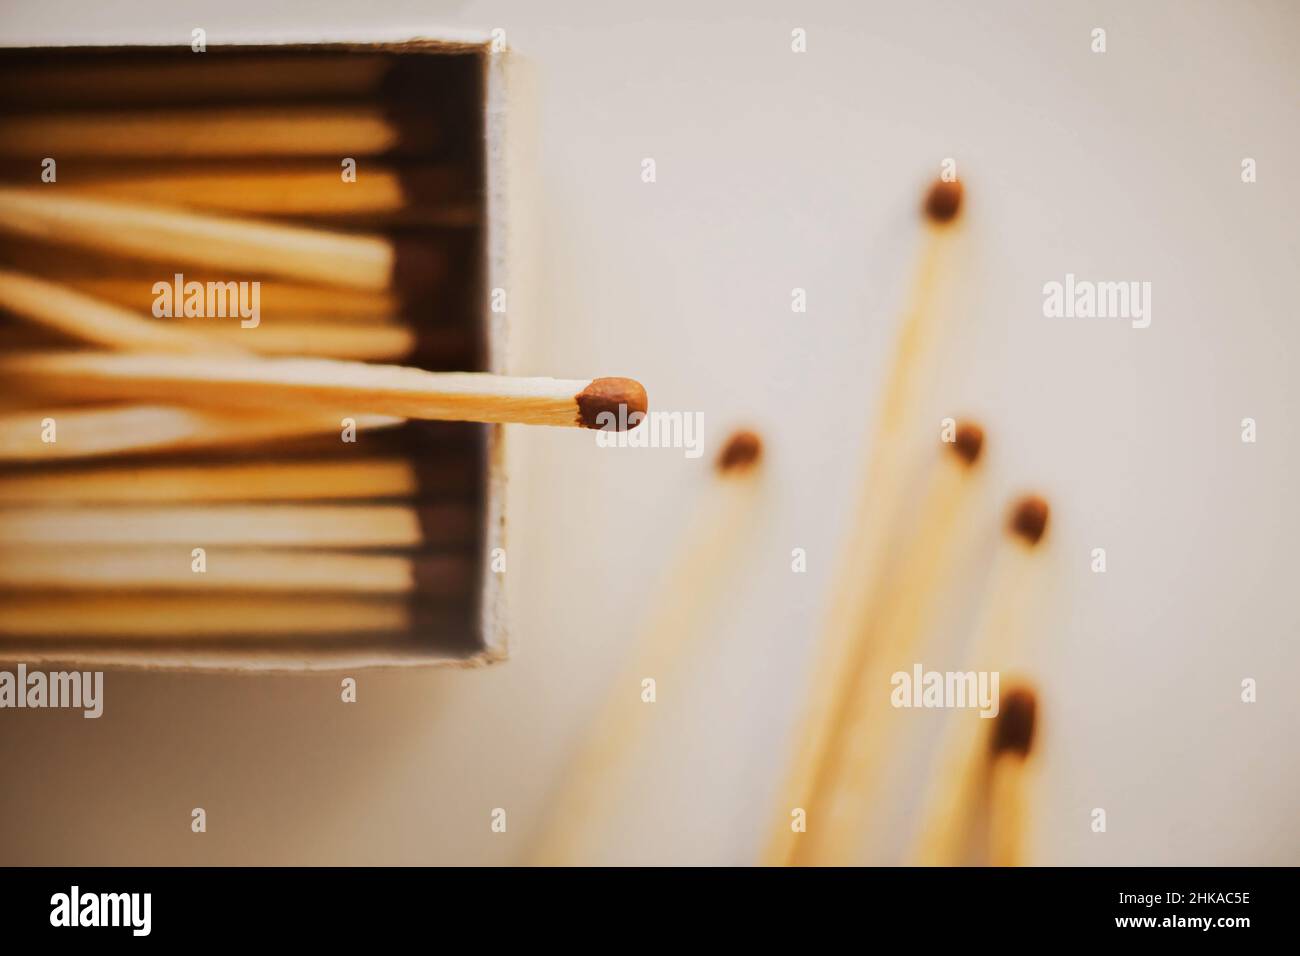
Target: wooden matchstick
52	307
387	342
430	195
319	384
691	584
850	610
130	284
1008	805
311	479
228	570
192	617
955	780
218	132
25	436
355	342
280	525
172	236
864	729
78	316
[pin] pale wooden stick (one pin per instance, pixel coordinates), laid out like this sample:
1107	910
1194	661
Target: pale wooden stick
279	299
63	310
431	194
314	479
241	525
229	570
847	781
841	650
168	235
958	771
326	131
691	584
355	342
387	342
1008	778
196	616
92	432
351	387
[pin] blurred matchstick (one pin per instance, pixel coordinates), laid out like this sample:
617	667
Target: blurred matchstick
857	751
78	316
841	649
262	525
387	342
53	308
193	617
693	581
59	434
130	283
427	194
352	260
83	571
218	132
955	780
1008	804
312	479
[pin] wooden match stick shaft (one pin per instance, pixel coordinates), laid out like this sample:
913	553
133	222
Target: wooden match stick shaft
314	479
842	650
1012	740
865	727
386	342
130	284
954	787
262	131
693	581
351	387
231	570
319	305
959	767
172	236
72	315
1008	810
195	616
63	310
92	432
430	193
242	525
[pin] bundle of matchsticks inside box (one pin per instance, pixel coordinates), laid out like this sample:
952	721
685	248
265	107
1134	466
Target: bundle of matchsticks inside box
208	263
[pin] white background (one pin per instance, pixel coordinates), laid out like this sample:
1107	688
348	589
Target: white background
778	170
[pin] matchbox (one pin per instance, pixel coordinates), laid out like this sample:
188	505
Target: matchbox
365	543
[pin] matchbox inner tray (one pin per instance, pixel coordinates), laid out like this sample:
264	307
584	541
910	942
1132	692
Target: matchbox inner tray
97	552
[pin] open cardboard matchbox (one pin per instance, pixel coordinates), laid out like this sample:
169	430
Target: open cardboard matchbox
427	114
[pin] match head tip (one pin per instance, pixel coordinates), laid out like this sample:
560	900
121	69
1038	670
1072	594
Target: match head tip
943	201
741	453
1013	730
606	395
1029	519
968	442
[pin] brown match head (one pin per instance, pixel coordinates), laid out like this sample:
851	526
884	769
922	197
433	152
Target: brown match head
741	453
607	395
1013	730
1029	519
943	201
968	442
